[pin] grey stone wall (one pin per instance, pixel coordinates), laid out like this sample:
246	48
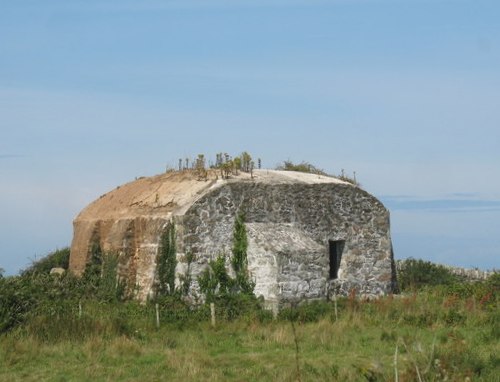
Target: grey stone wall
289	227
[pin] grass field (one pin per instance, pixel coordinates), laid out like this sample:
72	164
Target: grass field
437	337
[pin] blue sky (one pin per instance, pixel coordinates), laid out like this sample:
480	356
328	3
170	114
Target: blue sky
404	92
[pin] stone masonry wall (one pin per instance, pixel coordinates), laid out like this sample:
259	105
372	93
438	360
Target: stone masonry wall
314	214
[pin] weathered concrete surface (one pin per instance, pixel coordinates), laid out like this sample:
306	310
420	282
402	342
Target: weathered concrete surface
290	218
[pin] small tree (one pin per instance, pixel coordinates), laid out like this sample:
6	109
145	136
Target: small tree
166	261
110	287
93	269
215	280
239	260
100	278
226	169
414	274
237	164
200	167
246	159
58	258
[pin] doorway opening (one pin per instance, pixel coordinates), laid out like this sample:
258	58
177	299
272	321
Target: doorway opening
335	249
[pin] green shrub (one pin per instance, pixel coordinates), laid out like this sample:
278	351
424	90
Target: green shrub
239	261
22	296
306	167
414	274
175	310
16	300
453	317
56	259
100	280
232	306
37	293
166	262
309	312
214	280
110	287
493	282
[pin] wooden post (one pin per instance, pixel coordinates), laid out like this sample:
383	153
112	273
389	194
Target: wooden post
335	305
79	309
157	316
396	376
275	311
212	312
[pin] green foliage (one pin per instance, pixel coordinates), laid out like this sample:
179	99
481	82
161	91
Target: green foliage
36	293
93	268
186	278
226	169
306	167
240	245
215	280
234	306
494	281
166	262
23	296
239	261
444	332
237	163
174	310
110	287
414	274
308	312
229	165
56	259
16	299
100	278
246	161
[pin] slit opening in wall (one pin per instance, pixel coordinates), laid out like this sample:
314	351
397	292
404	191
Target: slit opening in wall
335	250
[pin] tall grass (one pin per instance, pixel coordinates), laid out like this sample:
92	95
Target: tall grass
439	334
63	328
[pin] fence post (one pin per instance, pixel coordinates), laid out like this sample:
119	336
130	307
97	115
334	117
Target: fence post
79	309
275	311
212	313
396	376
335	305
157	316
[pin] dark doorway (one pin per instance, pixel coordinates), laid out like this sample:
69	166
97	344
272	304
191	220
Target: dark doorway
336	247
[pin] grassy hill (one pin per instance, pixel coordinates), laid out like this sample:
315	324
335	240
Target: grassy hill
65	329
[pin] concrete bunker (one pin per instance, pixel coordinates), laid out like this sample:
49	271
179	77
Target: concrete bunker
308	235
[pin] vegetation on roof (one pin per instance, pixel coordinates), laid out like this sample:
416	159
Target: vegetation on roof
309	168
229	165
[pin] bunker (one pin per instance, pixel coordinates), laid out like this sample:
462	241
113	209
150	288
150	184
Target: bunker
309	236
